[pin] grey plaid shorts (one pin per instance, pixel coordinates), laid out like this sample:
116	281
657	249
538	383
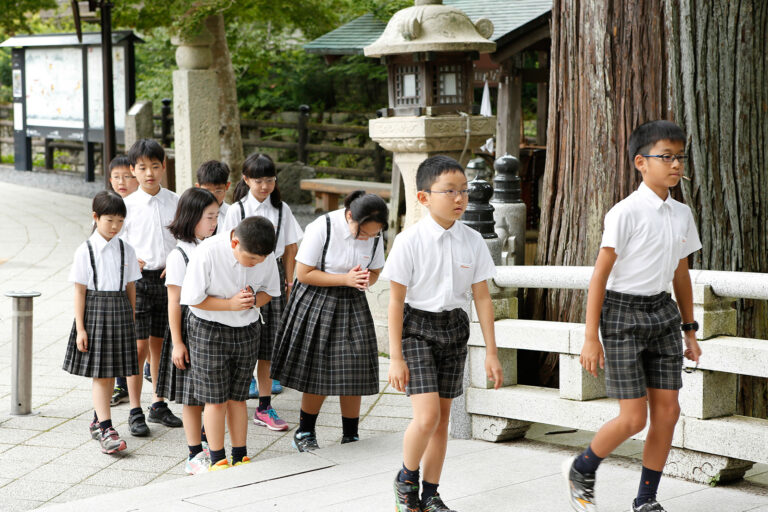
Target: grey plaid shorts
151	305
435	350
643	344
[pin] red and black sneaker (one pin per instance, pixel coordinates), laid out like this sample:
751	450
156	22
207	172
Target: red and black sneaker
111	442
406	496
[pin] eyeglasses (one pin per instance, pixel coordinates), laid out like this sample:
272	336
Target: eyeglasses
265	181
668	159
450	193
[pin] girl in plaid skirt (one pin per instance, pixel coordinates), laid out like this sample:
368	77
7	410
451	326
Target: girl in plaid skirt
102	342
196	218
327	344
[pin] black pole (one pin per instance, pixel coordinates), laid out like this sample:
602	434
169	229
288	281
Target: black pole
110	141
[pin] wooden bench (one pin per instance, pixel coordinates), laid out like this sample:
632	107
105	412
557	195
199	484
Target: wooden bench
328	190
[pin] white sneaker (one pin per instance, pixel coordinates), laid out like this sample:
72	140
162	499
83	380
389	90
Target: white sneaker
197	464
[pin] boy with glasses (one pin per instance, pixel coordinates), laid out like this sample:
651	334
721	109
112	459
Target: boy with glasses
646	243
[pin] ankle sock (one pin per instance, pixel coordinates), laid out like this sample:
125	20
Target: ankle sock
121	382
307	421
587	462
349	426
649	485
194	450
136	410
104	425
406	475
428	490
238	452
158	405
217	455
265	402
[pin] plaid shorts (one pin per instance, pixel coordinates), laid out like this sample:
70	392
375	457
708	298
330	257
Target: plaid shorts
643	344
435	350
221	359
151	305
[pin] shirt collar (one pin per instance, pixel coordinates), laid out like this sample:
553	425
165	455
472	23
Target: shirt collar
650	196
146	198
436	231
99	243
255	203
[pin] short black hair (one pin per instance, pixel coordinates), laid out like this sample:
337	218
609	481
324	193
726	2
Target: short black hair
189	211
213	172
260	165
432	168
146	148
257	235
647	134
119	161
365	208
107	202
241	190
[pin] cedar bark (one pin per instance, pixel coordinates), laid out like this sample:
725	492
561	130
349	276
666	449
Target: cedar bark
617	64
229	112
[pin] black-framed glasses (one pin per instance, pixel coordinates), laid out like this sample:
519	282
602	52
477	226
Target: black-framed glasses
668	159
450	193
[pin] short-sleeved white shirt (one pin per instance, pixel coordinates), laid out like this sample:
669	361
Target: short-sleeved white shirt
438	266
214	271
107	258
345	252
146	225
650	237
223	209
290	231
175	266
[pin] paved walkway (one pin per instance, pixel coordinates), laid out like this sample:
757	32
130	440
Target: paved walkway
49	458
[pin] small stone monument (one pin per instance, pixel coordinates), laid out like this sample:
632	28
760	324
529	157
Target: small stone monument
509	210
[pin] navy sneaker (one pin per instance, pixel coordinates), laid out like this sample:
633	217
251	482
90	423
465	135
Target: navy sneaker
406	496
650	506
435	504
581	488
164	415
137	424
305	441
349	439
119	395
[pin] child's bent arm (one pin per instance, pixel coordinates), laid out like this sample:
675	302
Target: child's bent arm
398	370
592	352
241	301
289	261
179	355
313	276
373	276
261	299
484	307
681	283
82	336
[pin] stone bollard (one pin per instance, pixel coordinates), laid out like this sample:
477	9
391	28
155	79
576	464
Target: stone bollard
138	123
21	352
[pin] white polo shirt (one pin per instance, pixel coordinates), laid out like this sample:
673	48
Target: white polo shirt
146	225
290	231
213	271
345	252
437	265
107	258
650	237
175	266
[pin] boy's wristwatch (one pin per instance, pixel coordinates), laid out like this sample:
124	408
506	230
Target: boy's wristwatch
691	326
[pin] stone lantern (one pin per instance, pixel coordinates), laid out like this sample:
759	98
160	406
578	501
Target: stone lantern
428	50
509	209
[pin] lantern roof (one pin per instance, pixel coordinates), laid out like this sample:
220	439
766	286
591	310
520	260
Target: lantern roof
430	26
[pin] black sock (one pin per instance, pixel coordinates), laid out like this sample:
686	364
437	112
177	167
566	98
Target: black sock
238	452
587	462
95	417
307	421
649	484
194	450
406	475
104	425
265	402
121	382
349	426
158	405
136	410
428	490
217	455
202	435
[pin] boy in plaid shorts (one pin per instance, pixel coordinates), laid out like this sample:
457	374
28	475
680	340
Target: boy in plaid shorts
646	243
229	277
432	268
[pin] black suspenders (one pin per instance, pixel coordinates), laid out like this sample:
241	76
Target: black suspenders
93	265
279	219
328	240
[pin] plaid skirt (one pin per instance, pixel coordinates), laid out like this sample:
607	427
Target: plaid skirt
327	343
173	383
272	312
111	350
222	359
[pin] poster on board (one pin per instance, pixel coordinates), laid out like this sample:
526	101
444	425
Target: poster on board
54	87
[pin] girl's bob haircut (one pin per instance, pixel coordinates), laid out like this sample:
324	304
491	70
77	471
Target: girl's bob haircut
192	204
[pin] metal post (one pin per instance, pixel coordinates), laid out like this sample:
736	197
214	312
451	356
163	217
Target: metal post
165	122
303	154
21	352
110	140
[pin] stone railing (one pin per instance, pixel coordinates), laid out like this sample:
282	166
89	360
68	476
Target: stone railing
711	443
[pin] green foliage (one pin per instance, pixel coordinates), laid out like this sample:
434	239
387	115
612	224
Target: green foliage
155	62
19	16
384	9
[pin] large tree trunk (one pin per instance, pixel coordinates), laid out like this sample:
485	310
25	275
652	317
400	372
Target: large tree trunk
617	64
719	57
229	112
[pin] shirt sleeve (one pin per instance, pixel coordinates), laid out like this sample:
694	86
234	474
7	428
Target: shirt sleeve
485	268
232	219
617	230
311	248
175	269
194	288
691	242
132	270
399	264
81	268
268	277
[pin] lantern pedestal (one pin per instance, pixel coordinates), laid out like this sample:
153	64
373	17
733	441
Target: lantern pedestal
414	139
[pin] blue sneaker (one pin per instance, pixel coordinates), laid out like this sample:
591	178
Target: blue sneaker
253	390
277	388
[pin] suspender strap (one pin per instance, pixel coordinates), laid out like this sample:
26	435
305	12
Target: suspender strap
373	252
279	224
122	264
183	255
327	241
242	210
93	265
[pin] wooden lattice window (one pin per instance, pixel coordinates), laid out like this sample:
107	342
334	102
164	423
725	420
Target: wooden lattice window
407	86
449	84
